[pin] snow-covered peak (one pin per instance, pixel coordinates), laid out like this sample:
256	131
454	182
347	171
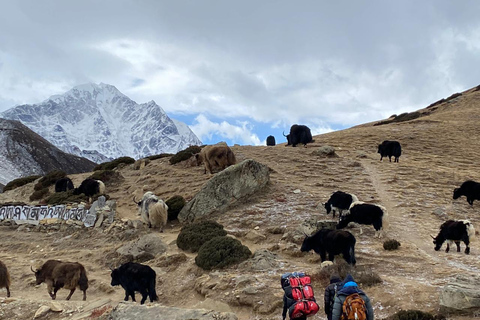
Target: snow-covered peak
98	117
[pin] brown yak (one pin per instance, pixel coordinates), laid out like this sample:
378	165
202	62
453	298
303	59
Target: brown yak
216	157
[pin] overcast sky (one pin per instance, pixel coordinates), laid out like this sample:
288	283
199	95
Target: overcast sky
240	70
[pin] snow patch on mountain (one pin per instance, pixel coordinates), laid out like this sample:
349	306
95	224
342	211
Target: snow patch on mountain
101	123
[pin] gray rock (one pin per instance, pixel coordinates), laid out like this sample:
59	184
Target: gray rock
325	151
262	260
440	212
255	236
226	188
99	220
461	294
101	201
127	311
145	248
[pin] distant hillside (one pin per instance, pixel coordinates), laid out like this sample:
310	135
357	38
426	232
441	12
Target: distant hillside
24	153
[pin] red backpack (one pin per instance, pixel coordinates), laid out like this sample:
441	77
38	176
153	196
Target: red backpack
299	298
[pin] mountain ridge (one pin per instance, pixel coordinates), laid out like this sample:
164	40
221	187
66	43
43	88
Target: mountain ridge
101	123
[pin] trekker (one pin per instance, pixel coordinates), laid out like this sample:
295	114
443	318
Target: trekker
351	302
330	291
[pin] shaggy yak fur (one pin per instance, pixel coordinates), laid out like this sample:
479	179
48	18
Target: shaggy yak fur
135	277
57	274
4	278
153	210
216	157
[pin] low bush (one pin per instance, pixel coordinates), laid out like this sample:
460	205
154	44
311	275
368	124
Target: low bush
407	116
175	204
185	154
114	163
49	179
160	156
65	197
193	236
364	277
391	244
412	315
221	252
39	194
19	182
108	177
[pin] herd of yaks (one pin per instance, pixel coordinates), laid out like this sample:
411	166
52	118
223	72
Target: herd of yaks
334	242
142	278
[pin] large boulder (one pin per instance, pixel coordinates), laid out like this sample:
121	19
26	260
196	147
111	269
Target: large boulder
145	248
127	311
461	294
225	188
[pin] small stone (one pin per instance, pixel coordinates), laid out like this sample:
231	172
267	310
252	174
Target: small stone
56	307
257	228
296	191
42	311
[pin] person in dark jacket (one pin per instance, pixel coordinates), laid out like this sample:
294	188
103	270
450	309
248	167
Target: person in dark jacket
350	287
330	290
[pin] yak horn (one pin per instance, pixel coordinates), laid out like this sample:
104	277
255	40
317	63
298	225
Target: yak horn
432	237
134	200
283	132
32	269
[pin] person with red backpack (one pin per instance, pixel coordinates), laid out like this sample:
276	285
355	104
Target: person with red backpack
351	303
298	299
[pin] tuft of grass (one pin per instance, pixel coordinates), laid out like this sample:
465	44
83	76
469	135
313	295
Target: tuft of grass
160	156
39	194
413	315
175	205
221	252
114	163
391	244
49	179
407	116
65	197
193	236
15	183
107	176
185	154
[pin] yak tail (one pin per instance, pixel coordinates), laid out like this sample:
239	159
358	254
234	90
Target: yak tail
101	187
470	229
352	255
152	293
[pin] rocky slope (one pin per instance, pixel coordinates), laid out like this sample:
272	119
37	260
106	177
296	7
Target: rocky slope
99	122
439	152
24	153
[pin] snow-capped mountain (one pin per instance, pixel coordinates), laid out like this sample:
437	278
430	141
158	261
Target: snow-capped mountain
99	122
24	153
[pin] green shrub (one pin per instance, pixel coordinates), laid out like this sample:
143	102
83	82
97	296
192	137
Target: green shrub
412	315
19	182
114	163
160	156
221	252
364	276
65	197
391	244
39	194
175	204
185	154
407	116
194	235
106	176
49	179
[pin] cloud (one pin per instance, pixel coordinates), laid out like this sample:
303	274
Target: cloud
324	64
205	129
